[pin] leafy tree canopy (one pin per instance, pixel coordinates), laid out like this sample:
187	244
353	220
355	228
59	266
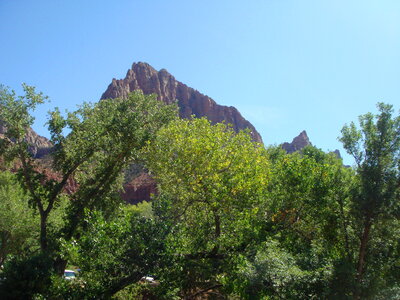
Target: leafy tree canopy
102	139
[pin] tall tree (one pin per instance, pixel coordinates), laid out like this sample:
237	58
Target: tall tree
102	139
376	150
309	193
213	179
212	174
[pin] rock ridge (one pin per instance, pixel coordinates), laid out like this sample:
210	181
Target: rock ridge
301	141
298	143
144	77
39	146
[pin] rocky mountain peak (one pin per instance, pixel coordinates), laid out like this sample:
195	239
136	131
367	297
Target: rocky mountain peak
144	77
298	143
337	153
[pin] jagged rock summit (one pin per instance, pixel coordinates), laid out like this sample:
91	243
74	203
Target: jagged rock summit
298	143
144	77
301	141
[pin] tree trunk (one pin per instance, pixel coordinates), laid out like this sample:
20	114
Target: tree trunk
361	257
59	265
5	236
43	231
344	225
217	221
198	293
119	285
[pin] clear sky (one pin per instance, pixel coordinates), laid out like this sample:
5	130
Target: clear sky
287	65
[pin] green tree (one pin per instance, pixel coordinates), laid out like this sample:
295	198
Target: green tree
376	150
272	272
117	250
308	215
18	222
211	180
103	139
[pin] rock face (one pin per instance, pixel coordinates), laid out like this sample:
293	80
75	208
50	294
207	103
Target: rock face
301	141
298	143
191	102
139	189
144	77
39	146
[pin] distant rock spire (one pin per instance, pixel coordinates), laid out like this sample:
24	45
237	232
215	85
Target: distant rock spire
298	143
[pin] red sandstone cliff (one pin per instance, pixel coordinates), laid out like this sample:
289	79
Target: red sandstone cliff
144	77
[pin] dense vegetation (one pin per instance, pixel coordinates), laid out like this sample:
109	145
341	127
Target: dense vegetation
231	219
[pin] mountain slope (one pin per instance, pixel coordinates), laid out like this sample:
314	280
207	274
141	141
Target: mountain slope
144	77
39	146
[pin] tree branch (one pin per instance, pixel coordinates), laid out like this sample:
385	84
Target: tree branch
203	291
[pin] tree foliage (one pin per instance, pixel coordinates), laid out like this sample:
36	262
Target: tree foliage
212	181
230	218
375	206
137	244
102	140
18	223
214	177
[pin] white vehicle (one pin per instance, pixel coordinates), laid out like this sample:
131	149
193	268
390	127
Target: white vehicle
148	278
69	274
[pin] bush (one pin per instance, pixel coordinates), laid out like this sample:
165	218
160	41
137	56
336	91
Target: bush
23	278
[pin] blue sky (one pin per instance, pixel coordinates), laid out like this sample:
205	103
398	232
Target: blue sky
287	65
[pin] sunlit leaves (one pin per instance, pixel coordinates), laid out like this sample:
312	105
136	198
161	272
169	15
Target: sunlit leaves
214	176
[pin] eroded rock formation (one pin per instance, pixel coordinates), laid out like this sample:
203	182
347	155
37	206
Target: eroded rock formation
144	77
298	143
39	146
